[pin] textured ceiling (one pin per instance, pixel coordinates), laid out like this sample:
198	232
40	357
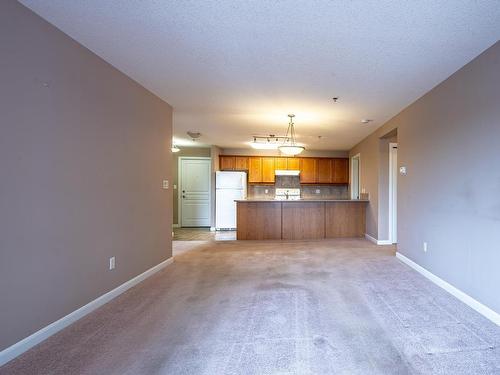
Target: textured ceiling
233	68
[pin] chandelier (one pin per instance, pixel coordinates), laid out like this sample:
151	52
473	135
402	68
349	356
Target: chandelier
290	146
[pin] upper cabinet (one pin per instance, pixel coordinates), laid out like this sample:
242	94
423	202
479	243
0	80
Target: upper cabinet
261	169
233	163
293	164
254	169
308	170
280	163
268	169
340	171
325	175
241	163
226	163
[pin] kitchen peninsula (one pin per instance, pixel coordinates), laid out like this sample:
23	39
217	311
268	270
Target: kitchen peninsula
267	219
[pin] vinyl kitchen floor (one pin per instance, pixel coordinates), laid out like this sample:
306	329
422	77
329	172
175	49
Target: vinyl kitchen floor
276	307
202	234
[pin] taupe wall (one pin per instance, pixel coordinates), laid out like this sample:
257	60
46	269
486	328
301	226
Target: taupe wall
83	152
185	151
448	139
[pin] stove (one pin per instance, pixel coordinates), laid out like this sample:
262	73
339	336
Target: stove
283	194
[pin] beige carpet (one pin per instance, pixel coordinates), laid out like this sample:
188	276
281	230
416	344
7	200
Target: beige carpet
326	307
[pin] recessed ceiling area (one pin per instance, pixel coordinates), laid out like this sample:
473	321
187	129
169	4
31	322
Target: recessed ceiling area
234	69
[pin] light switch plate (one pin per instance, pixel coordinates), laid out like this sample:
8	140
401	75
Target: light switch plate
402	171
112	263
165	184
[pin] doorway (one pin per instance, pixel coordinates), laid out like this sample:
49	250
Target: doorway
356	176
194	191
393	192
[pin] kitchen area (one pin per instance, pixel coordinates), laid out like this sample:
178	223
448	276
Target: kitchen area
288	198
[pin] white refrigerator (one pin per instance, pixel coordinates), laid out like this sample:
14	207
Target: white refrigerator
228	187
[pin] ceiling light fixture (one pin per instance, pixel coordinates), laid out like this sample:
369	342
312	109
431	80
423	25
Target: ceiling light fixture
194	135
265	142
175	148
290	146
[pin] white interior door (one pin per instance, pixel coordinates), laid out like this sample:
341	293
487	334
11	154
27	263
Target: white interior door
355	177
195	192
393	192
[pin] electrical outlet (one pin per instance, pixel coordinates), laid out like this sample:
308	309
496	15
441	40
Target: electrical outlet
318	191
266	191
112	263
425	247
175	187
165	184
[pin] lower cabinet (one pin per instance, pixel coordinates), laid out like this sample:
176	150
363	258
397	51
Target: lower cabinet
303	221
345	219
258	221
269	220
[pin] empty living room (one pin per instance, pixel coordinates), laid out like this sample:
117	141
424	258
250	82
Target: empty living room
236	187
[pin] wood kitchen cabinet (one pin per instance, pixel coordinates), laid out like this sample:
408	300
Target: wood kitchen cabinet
261	169
300	220
268	169
340	171
325	172
226	163
293	164
254	169
308	170
303	221
345	219
280	163
258	220
233	163
241	163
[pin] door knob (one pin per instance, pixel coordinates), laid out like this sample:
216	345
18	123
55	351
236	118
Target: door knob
183	196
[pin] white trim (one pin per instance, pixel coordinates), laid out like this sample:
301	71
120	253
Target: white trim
377	242
358	156
179	184
27	343
393	161
370	238
465	298
212	229
176	226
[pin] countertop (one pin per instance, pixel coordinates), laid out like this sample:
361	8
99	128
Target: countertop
299	200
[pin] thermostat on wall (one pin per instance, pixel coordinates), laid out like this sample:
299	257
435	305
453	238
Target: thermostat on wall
402	171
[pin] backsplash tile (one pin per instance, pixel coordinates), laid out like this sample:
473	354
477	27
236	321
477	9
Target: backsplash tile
307	191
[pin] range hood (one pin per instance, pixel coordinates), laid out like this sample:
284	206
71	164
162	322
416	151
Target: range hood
281	172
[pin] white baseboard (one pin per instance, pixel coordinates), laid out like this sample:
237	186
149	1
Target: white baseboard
212	229
377	242
176	226
27	343
465	298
